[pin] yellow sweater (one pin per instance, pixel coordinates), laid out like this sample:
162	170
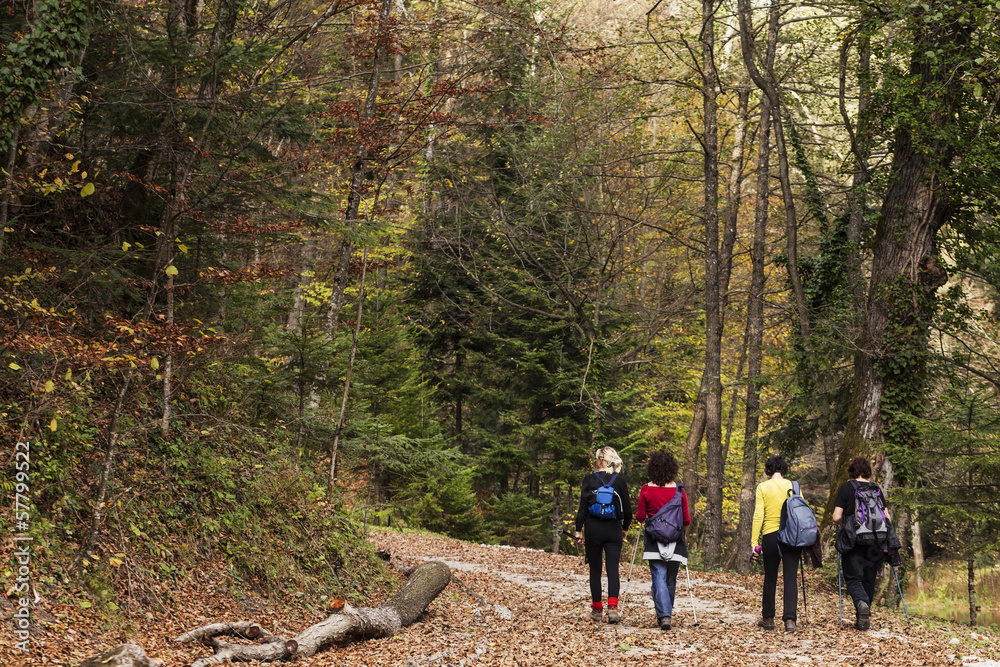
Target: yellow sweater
770	496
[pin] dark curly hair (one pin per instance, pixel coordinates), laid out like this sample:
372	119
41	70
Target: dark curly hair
662	468
776	463
859	467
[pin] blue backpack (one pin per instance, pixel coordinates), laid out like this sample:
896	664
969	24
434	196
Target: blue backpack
667	525
603	505
798	526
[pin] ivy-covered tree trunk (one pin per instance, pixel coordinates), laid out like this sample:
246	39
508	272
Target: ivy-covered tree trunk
890	366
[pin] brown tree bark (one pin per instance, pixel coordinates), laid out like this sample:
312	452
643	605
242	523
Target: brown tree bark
755	328
712	376
346	624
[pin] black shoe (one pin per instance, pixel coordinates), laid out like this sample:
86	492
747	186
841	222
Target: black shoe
766	623
665	623
789	625
864	616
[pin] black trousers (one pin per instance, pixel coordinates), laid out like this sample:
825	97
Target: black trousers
603	538
788	558
861	566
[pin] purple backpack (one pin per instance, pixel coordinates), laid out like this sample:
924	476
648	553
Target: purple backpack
667	525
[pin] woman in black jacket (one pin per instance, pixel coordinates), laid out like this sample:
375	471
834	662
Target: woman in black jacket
604	535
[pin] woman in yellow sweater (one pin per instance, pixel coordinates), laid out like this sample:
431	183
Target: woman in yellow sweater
771	495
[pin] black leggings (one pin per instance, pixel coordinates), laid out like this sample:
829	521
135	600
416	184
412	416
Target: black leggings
860	570
788	558
597	545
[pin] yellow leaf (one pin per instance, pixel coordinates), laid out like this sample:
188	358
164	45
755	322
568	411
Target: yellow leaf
69	375
171	270
125	246
49	386
13	366
183	248
69	156
154	363
53	425
87	190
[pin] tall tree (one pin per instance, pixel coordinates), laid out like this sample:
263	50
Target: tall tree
936	116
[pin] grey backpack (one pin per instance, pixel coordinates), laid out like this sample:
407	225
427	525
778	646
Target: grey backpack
869	521
798	526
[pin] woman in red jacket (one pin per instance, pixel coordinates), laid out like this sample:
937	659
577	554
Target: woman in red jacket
664	559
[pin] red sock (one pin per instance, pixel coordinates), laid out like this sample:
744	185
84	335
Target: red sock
612	603
597	605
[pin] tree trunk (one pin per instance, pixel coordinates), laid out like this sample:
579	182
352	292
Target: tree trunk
556	517
346	624
347	380
766	82
916	542
358	171
891	358
102	487
857	201
692	449
714	473
972	590
755	333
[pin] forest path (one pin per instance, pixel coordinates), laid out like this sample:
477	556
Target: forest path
518	607
510	606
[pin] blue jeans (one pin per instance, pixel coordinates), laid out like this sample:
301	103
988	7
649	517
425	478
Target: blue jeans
664	590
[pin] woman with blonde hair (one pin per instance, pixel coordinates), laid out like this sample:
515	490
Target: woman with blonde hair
604	517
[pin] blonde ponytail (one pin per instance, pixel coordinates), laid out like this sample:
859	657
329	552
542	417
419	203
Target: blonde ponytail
609	457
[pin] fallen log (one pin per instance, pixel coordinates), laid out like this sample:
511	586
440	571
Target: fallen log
347	623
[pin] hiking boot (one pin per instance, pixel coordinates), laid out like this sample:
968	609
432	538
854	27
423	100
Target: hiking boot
789	625
665	623
613	615
596	614
864	616
766	623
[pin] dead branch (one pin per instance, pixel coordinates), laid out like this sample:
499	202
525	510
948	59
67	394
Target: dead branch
346	624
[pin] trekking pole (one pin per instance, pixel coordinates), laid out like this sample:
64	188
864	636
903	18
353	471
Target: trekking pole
621	602
693	610
840	589
805	604
900	589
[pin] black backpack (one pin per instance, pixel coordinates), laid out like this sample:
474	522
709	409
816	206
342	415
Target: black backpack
667	525
602	504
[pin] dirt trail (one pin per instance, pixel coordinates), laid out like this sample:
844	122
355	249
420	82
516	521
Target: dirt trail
509	606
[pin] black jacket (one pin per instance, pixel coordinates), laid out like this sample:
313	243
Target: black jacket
590	484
